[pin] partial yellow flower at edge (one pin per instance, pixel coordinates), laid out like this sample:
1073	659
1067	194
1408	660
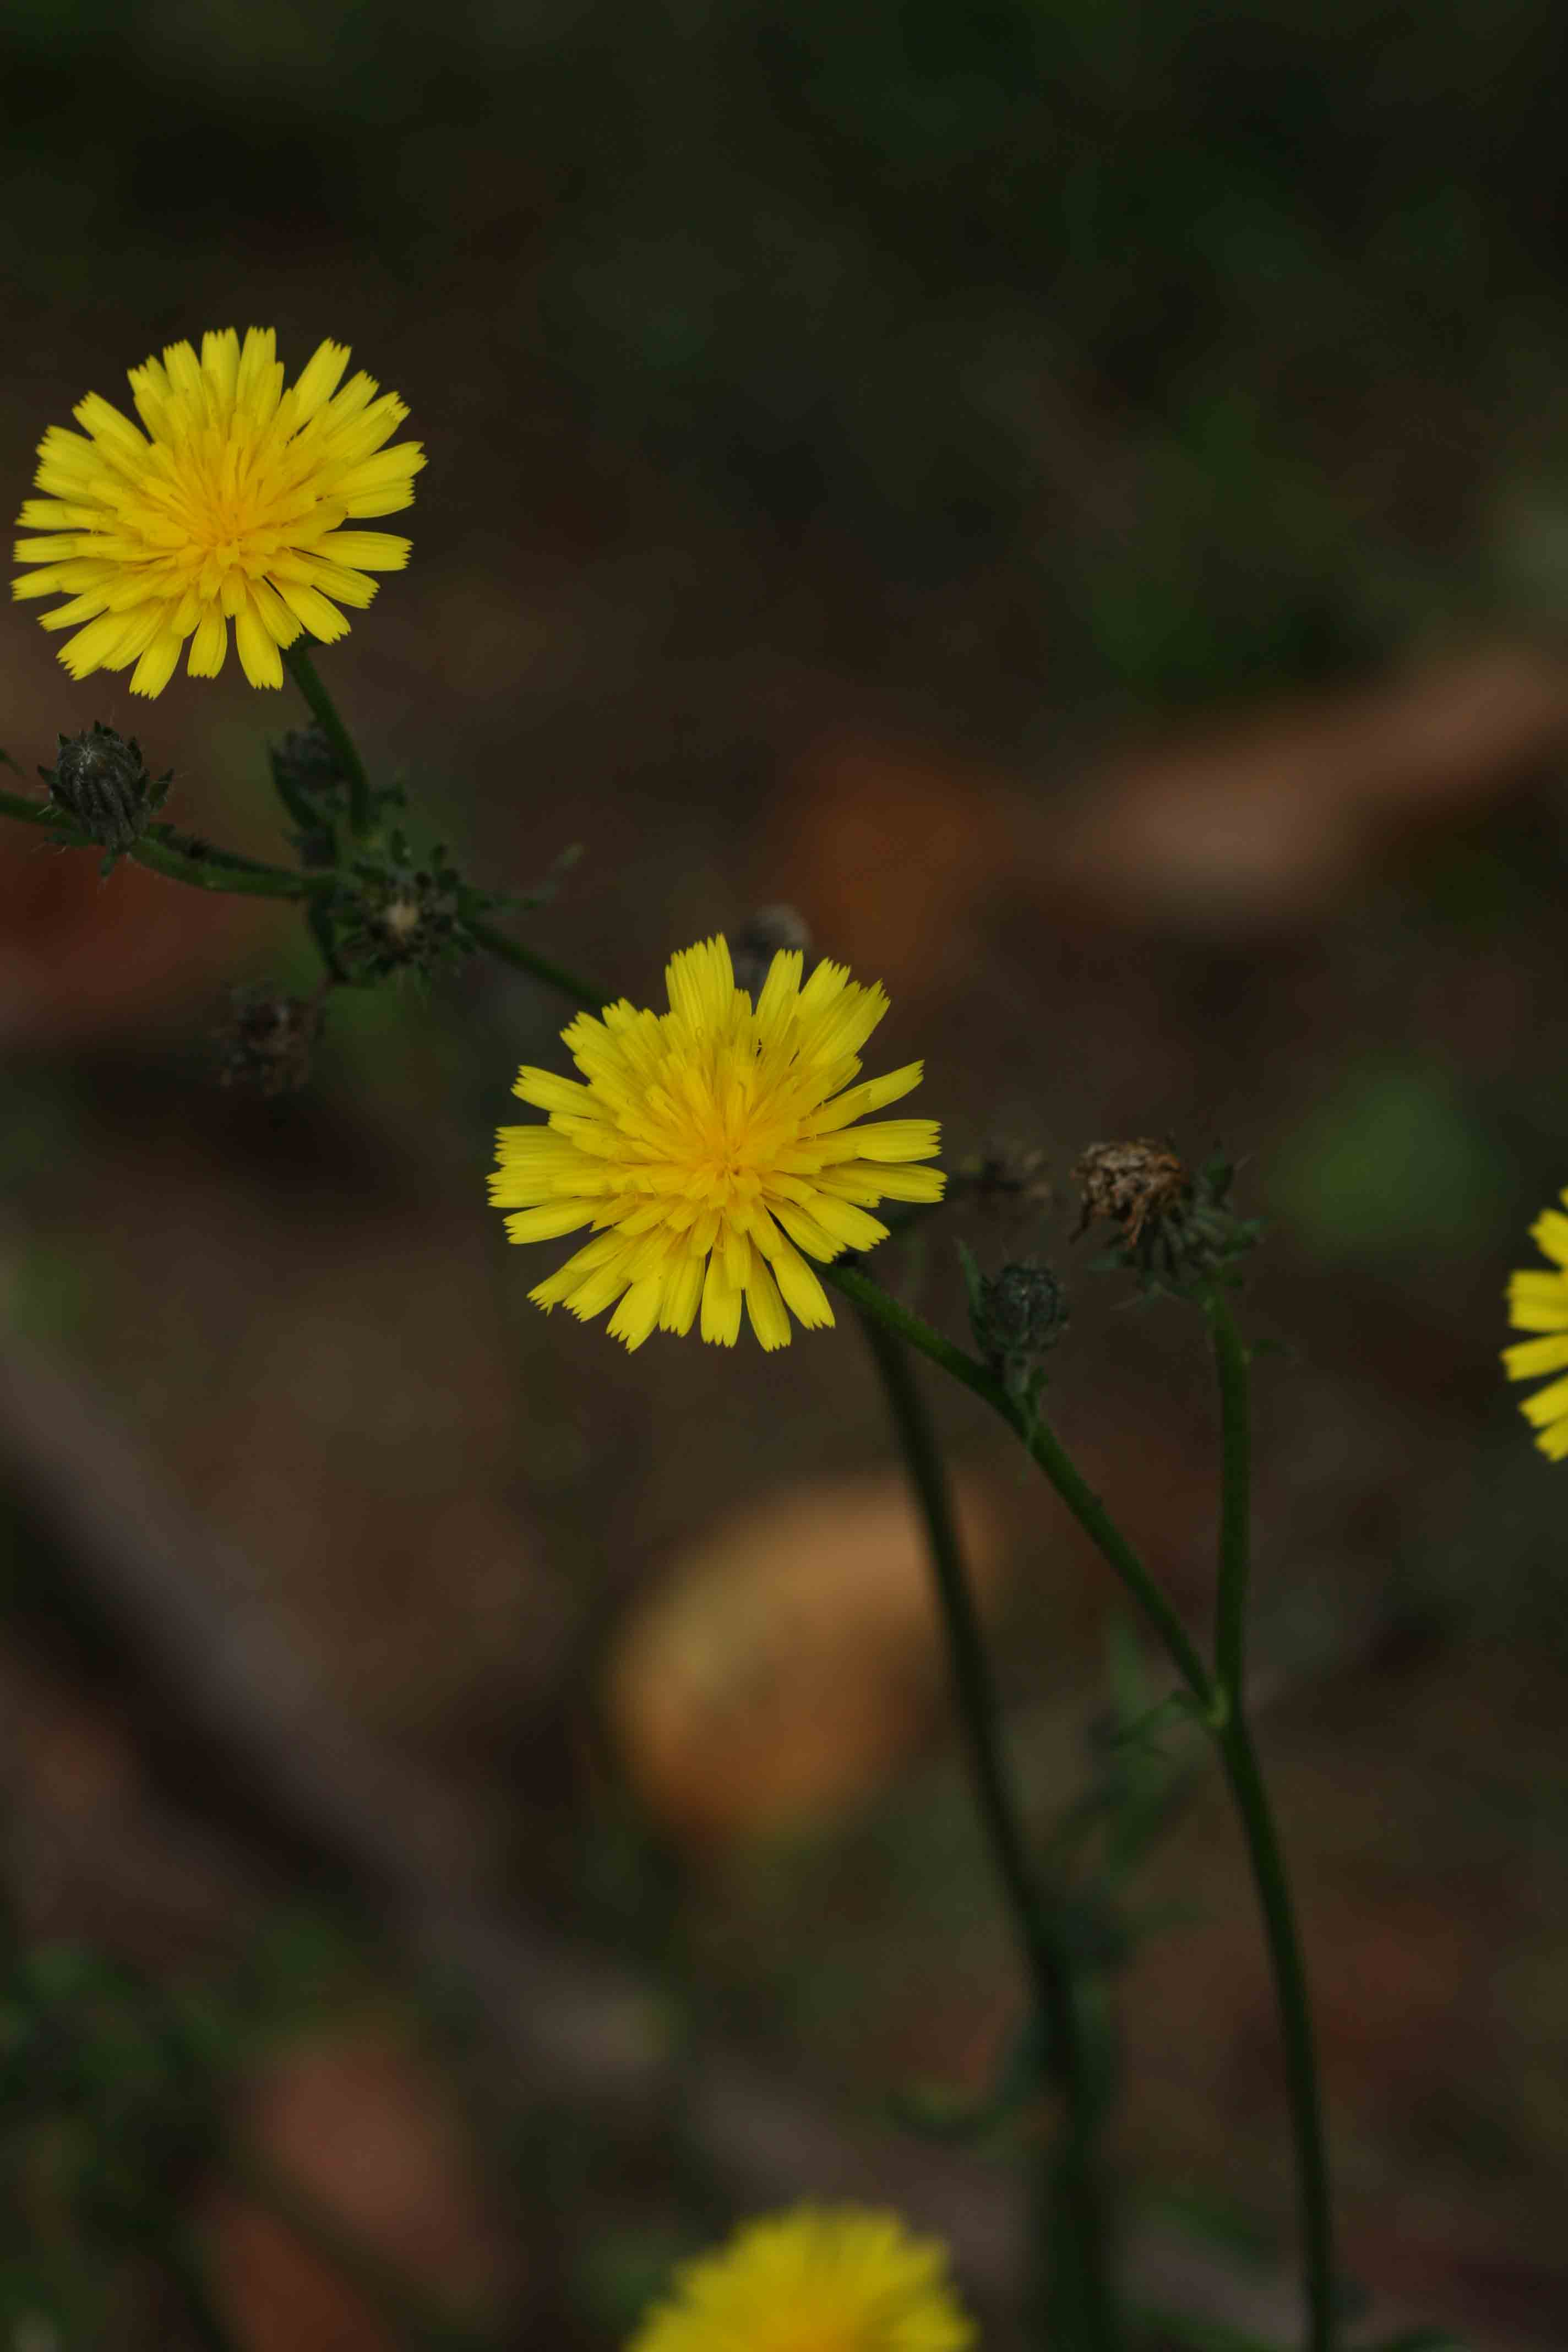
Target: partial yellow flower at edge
715	1150
817	2280
1538	1301
228	507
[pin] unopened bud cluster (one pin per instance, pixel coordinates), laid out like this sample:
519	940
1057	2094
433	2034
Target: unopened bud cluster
401	913
100	783
1177	1231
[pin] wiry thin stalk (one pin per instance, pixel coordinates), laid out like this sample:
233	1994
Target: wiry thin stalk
1080	2296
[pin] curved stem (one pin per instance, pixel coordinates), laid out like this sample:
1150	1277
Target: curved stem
180	859
1079	2256
324	711
1053	1458
1242	1770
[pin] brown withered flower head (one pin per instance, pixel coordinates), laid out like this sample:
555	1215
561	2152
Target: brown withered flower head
1177	1231
1129	1183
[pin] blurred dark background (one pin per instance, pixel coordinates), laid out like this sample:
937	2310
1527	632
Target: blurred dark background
1071	495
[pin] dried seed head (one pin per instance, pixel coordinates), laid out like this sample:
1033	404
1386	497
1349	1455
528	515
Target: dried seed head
1129	1183
761	937
99	781
267	1041
1178	1232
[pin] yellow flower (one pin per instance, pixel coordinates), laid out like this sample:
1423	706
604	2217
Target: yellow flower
813	2282
228	507
711	1145
1539	1302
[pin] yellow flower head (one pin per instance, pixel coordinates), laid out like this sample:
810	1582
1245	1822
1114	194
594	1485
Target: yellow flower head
813	2282
229	506
1538	1301
710	1146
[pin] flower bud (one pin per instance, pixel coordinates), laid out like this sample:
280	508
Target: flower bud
1016	1317
100	781
304	759
309	782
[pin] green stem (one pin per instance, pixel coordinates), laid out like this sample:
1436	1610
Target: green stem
1242	1771
1081	2251
324	711
202	868
1241	1768
584	992
1052	1458
1235	1489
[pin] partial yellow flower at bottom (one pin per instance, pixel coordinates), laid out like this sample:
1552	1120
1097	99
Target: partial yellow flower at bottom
229	506
1538	1301
819	2280
713	1151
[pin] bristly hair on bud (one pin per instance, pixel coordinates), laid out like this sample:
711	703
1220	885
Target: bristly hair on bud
1178	1232
761	937
269	1039
100	782
1016	1316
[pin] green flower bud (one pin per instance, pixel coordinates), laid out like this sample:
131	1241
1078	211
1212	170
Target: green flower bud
100	783
1016	1316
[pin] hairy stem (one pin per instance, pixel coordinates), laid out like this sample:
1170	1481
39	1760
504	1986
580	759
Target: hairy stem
1079	2254
181	858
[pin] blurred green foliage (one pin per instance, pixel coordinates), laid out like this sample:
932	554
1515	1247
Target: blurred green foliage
1211	332
1391	1161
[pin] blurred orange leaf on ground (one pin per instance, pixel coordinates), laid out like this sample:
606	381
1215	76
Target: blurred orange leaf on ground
779	1672
365	2135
